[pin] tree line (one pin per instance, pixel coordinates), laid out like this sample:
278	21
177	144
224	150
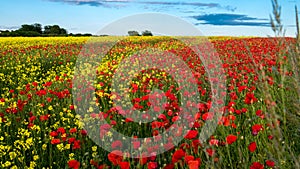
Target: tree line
136	33
36	29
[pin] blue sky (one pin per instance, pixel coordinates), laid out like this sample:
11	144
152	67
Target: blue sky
211	17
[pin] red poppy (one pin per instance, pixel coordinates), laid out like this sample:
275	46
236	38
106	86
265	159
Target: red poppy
71	140
210	151
178	154
53	133
55	141
213	142
191	134
72	107
115	157
250	98
252	147
270	163
116	144
32	118
61	130
169	166
188	158
193	164
83	132
152	165
256	128
74	164
102	166
143	160
231	139
207	116
241	88
256	165
73	130
76	144
136	144
124	165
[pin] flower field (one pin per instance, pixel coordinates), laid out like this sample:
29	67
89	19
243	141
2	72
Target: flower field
42	124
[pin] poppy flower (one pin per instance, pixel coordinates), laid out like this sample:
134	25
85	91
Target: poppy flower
169	166
74	164
207	116
73	130
191	134
143	160
61	130
252	147
193	164
124	165
256	128
136	144
250	98
178	154
53	133
256	165
76	144
188	158
210	151
116	144
115	157
270	163
231	139
152	165
55	141
213	142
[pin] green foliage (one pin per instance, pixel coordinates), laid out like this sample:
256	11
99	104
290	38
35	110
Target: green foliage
147	33
35	30
133	33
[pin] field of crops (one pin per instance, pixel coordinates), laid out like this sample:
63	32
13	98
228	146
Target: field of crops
52	116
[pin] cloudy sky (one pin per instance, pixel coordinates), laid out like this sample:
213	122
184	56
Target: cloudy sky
211	17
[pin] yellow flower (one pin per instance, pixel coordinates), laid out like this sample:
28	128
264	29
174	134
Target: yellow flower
32	164
44	146
12	155
50	108
71	155
109	134
94	154
68	146
29	141
6	164
91	109
36	157
94	148
14	167
60	146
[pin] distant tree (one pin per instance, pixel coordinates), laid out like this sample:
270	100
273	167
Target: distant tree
26	27
4	33
31	28
27	30
133	33
47	29
87	34
147	33
54	30
38	28
63	31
